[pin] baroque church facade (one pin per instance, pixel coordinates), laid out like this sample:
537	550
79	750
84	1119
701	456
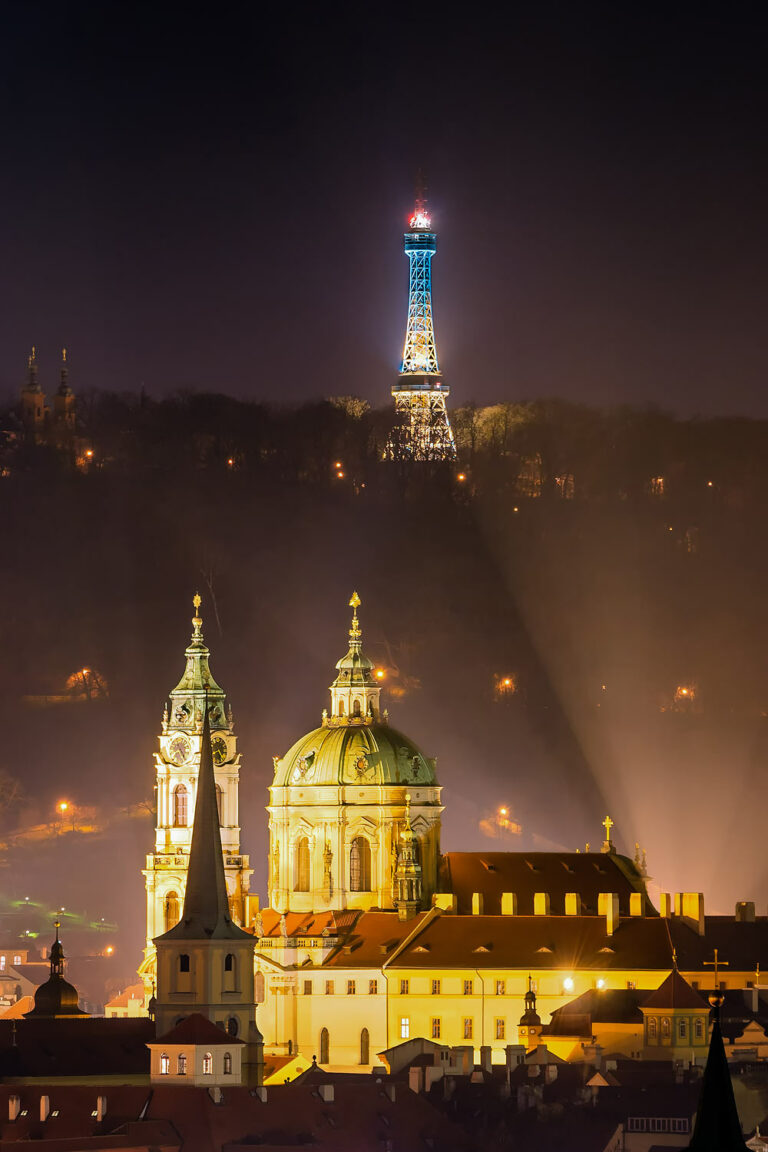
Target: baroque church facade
372	935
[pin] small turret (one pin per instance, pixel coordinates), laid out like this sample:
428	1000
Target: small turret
355	694
56	997
197	685
32	397
64	400
408	885
529	1028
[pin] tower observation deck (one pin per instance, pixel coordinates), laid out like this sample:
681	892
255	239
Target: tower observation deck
422	430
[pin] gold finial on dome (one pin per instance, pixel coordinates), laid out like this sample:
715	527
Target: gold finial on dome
197	619
63	355
354	603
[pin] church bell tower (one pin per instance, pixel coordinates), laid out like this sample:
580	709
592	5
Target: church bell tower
177	767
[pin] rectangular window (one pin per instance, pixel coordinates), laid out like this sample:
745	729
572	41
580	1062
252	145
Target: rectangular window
184	962
681	1028
468	986
468	1029
695	985
435	1028
698	1027
500	1028
307	987
2	963
17	959
678	1125
350	987
501	987
373	987
723	986
405	1028
631	985
636	1124
405	987
659	1124
435	987
329	987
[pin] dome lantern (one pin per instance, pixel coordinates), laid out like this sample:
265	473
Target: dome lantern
354	693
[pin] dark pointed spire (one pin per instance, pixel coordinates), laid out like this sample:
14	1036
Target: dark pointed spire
717	1128
206	905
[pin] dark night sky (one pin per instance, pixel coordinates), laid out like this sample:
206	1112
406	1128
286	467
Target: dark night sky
214	197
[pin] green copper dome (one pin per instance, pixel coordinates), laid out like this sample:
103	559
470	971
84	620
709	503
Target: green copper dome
354	754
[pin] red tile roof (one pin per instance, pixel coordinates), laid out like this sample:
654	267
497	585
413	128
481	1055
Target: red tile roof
675	993
197	1029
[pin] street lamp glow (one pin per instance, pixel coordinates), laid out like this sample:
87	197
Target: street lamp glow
568	984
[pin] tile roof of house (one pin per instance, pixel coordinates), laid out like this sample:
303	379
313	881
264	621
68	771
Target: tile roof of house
597	1006
197	1029
83	1046
525	873
675	994
308	923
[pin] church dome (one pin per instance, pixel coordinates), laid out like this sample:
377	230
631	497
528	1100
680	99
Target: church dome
56	997
364	753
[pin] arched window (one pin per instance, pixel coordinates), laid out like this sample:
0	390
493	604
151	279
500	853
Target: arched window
180	797
360	865
341	707
681	1028
227	1063
219	808
171	910
356	709
365	1047
182	1064
184	962
165	1064
699	1027
652	1027
301	865
229	962
665	1026
207	1064
324	1046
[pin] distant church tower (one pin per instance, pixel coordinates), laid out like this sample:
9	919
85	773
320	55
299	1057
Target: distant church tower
33	409
422	430
354	808
64	400
205	962
177	765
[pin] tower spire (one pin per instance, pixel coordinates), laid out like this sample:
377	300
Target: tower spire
408	879
206	905
355	692
423	431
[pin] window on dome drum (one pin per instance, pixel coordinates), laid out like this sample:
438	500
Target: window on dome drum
652	1027
180	797
373	987
501	1028
350	988
436	984
329	987
325	1046
171	910
208	1064
182	1064
307	987
436	1027
356	709
341	707
405	1028
468	987
165	1064
219	803
227	1063
501	987
681	1029
183	962
301	865
405	987
365	1047
360	865
468	1027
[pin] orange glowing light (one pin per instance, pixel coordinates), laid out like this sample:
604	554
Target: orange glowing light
461	477
340	475
710	484
502	811
230	463
380	673
89	452
109	950
62	806
338	464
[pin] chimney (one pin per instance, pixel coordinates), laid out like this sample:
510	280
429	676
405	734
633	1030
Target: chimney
745	911
101	1108
550	1073
477	903
260	1093
678	904
14	1107
608	906
45	1107
391	1091
572	904
665	905
325	1092
215	1094
692	910
509	903
636	902
485	1057
541	903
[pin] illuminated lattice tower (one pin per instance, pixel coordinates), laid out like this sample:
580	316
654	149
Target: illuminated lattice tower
422	431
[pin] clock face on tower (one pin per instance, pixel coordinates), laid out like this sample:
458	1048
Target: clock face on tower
220	750
179	750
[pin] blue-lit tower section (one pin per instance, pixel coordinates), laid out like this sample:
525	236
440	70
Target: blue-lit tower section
422	430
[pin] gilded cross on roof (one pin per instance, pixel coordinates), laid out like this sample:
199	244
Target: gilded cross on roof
607	824
716	963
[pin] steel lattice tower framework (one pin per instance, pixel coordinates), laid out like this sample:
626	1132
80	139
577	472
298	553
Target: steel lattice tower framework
423	431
